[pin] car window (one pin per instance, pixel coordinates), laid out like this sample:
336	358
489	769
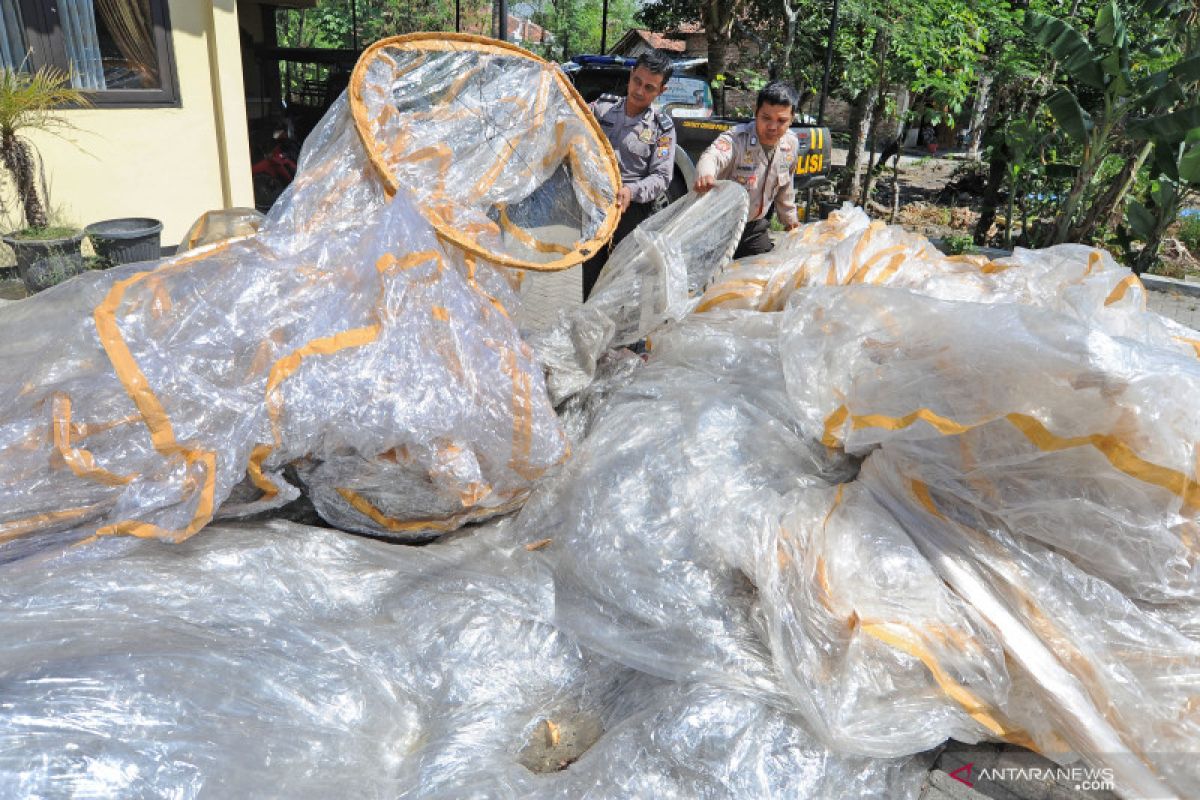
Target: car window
686	97
593	83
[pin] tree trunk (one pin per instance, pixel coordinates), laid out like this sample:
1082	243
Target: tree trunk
860	113
718	17
979	115
873	134
1083	179
895	187
997	170
785	58
1107	203
18	160
1149	254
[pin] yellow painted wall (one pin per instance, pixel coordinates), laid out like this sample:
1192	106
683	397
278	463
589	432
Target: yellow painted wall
169	163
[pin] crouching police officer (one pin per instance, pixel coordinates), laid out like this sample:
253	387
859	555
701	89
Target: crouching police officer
761	156
644	141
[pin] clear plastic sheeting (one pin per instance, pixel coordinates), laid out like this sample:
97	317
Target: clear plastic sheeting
497	146
361	338
308	663
217	226
652	278
934	497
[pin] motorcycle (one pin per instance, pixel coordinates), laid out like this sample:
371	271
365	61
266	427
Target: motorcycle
275	171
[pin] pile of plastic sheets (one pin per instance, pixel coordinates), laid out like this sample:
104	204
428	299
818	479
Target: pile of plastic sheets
859	499
360	337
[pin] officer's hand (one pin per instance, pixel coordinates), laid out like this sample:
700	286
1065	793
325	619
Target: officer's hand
704	183
792	227
623	197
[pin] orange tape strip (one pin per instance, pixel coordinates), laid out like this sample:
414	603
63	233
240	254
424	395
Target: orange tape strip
441	525
81	462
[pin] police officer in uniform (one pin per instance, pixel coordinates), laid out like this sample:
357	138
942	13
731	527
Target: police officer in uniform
644	142
760	155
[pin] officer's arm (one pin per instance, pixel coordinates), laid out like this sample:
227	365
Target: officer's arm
715	160
785	199
716	157
658	177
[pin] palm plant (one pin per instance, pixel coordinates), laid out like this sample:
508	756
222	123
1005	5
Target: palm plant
30	102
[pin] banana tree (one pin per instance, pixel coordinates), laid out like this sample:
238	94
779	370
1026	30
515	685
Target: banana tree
1176	141
1103	70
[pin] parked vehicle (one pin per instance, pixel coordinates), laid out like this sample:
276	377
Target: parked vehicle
689	100
273	172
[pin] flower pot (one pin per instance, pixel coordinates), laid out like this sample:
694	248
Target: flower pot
42	263
126	240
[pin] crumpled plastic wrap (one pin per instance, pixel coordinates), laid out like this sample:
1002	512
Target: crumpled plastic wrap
218	225
861	497
1014	559
307	663
362	336
652	278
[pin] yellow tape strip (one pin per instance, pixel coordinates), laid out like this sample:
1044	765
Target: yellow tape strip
285	367
834	421
81	462
1195	343
895	635
162	435
1116	451
1121	288
426	43
254	470
523	236
19	527
714	297
441	525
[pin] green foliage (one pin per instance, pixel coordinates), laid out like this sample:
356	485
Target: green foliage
576	24
31	102
1189	233
956	244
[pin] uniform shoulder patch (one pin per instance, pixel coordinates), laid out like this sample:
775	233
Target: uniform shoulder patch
608	98
665	123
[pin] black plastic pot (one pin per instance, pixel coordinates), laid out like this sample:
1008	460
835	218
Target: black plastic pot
126	240
42	263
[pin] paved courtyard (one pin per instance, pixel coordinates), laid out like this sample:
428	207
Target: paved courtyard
543	293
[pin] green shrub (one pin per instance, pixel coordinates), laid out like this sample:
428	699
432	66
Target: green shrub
1189	233
956	244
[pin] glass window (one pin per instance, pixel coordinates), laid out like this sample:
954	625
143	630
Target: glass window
12	36
687	97
117	49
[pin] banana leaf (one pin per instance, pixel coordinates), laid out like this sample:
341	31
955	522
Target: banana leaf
1069	47
1070	115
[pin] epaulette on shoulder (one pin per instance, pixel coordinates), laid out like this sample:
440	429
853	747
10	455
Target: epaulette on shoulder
608	98
665	123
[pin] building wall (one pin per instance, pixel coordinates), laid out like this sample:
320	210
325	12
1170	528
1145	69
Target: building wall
169	163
